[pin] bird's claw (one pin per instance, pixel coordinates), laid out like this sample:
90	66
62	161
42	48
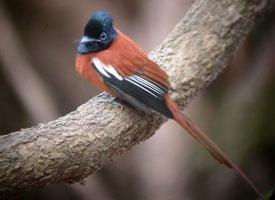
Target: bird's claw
111	100
116	104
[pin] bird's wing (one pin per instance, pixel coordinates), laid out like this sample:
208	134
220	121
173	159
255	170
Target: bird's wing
138	90
129	59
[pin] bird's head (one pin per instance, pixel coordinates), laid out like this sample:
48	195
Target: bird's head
99	33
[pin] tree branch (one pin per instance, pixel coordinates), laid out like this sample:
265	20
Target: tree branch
74	146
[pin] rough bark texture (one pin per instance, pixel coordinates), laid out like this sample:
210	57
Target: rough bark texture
74	146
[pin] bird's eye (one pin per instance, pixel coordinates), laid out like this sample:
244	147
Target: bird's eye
103	36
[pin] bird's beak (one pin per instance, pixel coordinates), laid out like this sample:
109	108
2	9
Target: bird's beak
86	39
86	45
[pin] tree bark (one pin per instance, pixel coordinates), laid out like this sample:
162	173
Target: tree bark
95	134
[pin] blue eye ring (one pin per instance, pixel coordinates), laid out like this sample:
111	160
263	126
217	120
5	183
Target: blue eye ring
103	36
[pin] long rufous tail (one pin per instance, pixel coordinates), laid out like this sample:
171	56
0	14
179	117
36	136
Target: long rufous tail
202	138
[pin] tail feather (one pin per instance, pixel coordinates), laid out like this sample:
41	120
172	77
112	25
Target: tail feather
202	138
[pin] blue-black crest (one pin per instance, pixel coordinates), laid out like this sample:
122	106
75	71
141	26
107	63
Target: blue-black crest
99	33
97	23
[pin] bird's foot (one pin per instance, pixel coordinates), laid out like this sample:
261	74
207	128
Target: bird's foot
116	104
110	100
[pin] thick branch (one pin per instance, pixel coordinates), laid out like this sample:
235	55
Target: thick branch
74	146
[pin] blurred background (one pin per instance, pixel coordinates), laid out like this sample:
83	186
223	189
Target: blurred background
38	83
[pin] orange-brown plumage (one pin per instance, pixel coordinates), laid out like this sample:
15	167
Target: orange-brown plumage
83	67
127	58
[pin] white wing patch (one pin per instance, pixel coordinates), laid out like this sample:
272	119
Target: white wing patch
148	84
100	67
140	86
106	70
109	73
112	71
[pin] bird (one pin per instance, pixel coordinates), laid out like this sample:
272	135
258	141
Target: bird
114	63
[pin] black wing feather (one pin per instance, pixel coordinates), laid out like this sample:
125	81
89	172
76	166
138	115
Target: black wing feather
138	91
